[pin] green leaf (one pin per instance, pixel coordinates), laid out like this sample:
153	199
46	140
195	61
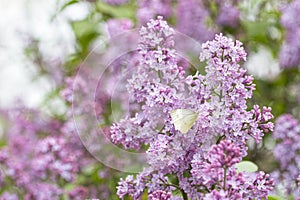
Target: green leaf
246	166
85	32
275	198
124	11
257	32
82	28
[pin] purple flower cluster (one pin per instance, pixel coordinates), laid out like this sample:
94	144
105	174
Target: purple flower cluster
291	47
43	158
227	87
135	187
149	9
192	19
53	155
229	15
216	170
20	163
154	83
287	153
160	195
159	85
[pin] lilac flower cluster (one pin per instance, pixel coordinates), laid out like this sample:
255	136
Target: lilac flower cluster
41	159
216	170
192	19
52	155
192	16
287	153
227	88
20	166
229	15
145	86
291	47
160	85
160	195
148	9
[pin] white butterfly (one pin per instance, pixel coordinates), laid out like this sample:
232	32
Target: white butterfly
183	119
246	166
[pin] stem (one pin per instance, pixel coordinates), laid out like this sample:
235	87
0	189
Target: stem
184	195
159	75
169	184
221	92
222	57
224	179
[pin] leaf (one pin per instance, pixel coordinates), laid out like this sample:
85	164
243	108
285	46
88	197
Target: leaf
256	31
246	166
85	32
124	11
275	198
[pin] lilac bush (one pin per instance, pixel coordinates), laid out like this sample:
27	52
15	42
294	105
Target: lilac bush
41	161
44	157
20	163
200	163
195	125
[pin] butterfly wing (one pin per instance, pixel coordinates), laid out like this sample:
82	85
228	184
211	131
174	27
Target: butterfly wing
246	166
183	119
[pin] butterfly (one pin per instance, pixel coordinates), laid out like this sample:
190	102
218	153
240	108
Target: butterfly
246	166
183	119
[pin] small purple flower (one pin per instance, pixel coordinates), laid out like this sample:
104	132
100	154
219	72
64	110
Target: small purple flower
160	195
224	154
126	187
